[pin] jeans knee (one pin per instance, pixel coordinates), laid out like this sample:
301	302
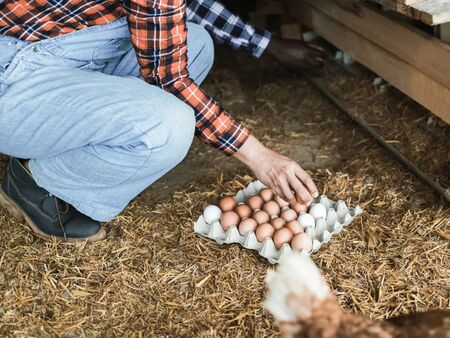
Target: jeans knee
181	130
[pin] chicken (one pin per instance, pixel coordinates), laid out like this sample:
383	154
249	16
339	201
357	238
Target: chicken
304	307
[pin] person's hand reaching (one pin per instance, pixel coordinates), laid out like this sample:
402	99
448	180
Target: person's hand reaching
296	54
278	172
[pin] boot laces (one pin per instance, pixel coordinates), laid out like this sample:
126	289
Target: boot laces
62	208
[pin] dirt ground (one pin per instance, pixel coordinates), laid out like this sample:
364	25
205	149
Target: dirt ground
154	277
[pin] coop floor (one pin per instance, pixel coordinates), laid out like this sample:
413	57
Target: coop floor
153	276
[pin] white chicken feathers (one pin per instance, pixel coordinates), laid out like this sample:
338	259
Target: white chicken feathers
304	307
296	275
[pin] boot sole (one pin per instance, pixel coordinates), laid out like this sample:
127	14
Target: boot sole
17	212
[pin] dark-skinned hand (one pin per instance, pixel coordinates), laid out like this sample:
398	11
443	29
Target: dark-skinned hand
296	54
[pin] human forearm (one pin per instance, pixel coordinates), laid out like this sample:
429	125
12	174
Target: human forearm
163	63
228	28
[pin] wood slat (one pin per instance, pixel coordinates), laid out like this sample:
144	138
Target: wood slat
423	51
425	90
430	12
408	2
433	12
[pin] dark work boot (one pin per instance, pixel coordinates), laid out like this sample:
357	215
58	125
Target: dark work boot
47	215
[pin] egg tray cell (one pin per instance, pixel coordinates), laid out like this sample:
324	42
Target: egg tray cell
339	215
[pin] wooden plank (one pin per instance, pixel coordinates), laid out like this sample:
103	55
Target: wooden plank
444	32
430	12
414	83
433	12
421	50
408	2
395	6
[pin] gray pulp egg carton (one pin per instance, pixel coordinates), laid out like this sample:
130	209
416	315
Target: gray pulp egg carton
339	215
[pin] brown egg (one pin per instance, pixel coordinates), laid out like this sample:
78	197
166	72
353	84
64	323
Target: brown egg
281	236
255	202
263	231
289	215
266	194
301	242
272	208
243	210
278	223
299	208
247	225
294	226
228	219
227	204
261	217
281	202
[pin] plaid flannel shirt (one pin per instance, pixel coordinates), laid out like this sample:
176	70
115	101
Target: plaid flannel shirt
158	33
227	28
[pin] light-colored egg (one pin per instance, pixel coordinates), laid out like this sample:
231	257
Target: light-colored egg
318	211
264	231
301	242
306	221
255	202
266	194
243	210
212	213
261	217
299	208
272	208
281	236
288	215
229	219
227	204
294	226
247	225
278	223
281	202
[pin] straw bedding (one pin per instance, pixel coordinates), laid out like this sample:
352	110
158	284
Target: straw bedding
154	277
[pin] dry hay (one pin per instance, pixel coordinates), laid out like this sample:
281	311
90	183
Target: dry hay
154	277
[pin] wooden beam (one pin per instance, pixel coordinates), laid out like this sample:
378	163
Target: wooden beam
444	32
408	2
414	83
433	12
423	51
430	12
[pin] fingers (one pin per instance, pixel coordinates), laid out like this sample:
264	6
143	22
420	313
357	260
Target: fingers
317	51
315	63
307	181
316	57
302	194
312	45
288	195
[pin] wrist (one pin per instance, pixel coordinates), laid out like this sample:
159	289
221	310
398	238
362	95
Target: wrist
251	151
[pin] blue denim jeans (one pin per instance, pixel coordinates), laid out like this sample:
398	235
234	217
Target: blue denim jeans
95	133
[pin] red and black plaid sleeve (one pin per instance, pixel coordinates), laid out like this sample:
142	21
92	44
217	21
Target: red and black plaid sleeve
158	30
